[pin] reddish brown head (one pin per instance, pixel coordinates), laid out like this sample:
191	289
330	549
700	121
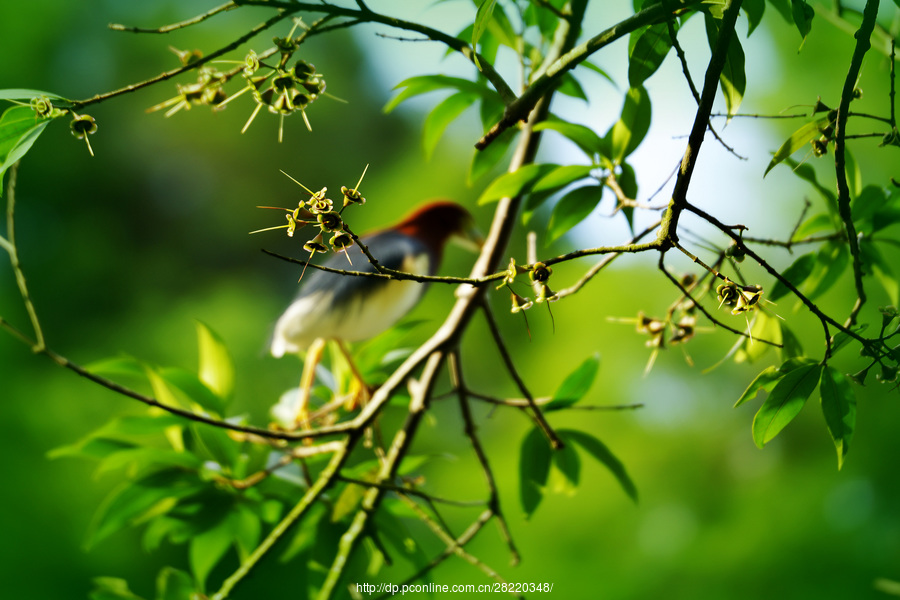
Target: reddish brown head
437	222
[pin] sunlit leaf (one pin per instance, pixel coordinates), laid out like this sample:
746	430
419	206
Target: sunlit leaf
814	224
799	139
806	172
831	262
572	209
765	381
631	128
876	264
515	183
415	86
784	402
482	17
112	588
764	327
216	367
196	391
732	78
570	86
601	453
790	343
647	49
19	129
534	469
568	465
576	385
839	409
440	118
560	177
485	160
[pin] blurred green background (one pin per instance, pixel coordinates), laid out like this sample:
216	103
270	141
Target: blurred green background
125	250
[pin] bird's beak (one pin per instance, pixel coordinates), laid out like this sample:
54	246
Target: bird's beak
469	238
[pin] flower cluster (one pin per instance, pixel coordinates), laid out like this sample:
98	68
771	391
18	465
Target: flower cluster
741	297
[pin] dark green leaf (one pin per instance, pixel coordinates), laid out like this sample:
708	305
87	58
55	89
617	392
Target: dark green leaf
790	344
19	128
765	381
784	9
443	114
572	209
571	87
831	262
798	139
875	264
600	452
482	17
754	10
839	408
629	131
568	464
803	15
515	183
841	339
784	402
591	66
807	173
92	447
576	385
732	78
865	207
648	49
484	160
796	274
534	468
143	458
216	367
172	584
207	549
583	137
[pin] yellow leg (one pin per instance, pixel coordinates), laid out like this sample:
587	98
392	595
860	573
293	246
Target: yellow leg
313	357
359	391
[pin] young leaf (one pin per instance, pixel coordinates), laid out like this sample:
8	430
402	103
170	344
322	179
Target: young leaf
798	139
534	468
195	390
482	18
443	114
634	123
797	273
599	451
19	128
216	368
515	183
839	408
576	385
733	78
648	49
572	209
112	588
765	381
784	402
415	86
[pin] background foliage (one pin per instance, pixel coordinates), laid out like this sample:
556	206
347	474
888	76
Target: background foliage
126	250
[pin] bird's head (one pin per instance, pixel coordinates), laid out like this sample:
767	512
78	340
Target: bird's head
438	222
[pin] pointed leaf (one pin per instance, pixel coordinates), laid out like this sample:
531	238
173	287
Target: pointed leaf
415	86
631	128
568	466
839	408
648	49
601	453
732	78
583	137
797	273
803	15
482	18
440	118
754	10
832	260
798	139
784	403
19	129
112	588
576	385
572	209
485	160
172	584
534	469
207	549
570	86
515	183
216	367
765	381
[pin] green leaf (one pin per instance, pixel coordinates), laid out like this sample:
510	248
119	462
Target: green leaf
601	453
875	264
440	118
534	469
765	381
754	10
485	160
764	327
784	402
798	139
216	367
631	128
560	177
584	137
790	344
814	224
570	86
572	209
732	78
797	273
19	129
112	588
415	86
803	15
482	18
118	366
831	262
246	530
807	173
207	549
172	584
23	94
194	390
568	465
576	385
515	183
866	205
132	502
839	409
648	49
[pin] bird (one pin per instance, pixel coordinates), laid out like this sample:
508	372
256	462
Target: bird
346	308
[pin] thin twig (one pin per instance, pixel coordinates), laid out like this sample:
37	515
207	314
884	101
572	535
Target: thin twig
180	25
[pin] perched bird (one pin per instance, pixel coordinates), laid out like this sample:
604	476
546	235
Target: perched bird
347	308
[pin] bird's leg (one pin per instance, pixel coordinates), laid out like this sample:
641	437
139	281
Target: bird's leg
359	392
313	357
